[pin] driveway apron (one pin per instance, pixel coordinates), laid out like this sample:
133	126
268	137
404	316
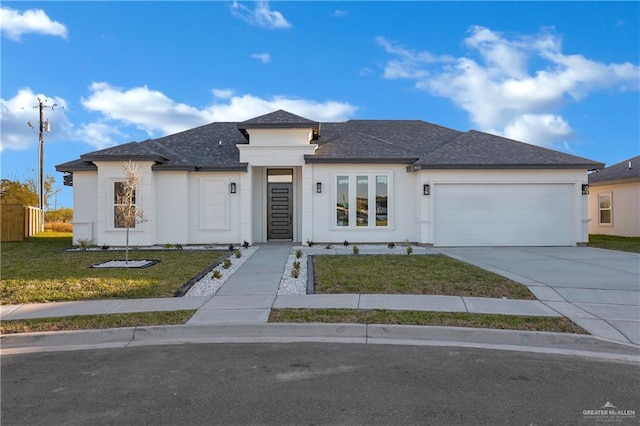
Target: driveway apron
597	289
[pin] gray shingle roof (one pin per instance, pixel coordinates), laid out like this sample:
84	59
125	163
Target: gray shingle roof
410	142
617	172
278	119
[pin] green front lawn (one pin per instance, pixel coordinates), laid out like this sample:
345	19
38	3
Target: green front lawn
448	319
410	274
90	322
613	242
39	270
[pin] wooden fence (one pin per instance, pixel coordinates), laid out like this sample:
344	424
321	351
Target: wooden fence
19	222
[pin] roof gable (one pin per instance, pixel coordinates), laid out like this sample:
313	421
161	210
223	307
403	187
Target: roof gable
278	119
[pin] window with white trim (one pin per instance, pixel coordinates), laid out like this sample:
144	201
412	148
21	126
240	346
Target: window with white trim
361	200
122	207
605	209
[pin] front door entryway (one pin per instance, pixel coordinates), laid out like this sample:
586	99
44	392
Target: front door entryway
280	204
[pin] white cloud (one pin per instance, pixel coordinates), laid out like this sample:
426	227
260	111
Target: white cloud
16	112
497	86
222	93
410	64
14	23
261	16
339	13
158	115
263	57
150	111
539	129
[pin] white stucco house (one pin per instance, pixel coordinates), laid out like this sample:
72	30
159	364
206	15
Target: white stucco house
614	199
283	177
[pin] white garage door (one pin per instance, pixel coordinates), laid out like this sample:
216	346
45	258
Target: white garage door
503	215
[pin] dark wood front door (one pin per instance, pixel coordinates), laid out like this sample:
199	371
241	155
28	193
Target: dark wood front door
280	211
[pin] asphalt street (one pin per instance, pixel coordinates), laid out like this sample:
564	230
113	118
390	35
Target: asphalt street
312	383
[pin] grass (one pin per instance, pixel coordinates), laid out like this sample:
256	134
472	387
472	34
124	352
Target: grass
85	322
613	242
437	275
449	319
38	270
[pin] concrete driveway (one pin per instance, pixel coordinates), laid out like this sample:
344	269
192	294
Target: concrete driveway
597	289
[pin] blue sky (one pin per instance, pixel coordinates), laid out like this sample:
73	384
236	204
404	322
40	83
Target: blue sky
563	75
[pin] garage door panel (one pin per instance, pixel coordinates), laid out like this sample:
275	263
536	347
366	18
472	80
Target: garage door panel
502	215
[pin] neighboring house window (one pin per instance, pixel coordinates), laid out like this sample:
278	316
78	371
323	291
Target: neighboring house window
369	193
605	209
214	203
121	206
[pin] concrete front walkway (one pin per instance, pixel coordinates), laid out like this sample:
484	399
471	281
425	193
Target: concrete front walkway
597	289
249	293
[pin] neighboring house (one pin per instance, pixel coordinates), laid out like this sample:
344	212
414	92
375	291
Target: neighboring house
614	199
283	177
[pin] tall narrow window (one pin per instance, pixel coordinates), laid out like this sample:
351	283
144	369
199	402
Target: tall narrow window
382	197
362	200
342	200
605	208
122	207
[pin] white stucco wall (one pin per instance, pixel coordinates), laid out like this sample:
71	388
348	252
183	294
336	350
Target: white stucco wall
85	206
172	207
229	232
625	211
144	233
402	205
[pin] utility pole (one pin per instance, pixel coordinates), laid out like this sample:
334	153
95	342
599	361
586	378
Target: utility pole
44	127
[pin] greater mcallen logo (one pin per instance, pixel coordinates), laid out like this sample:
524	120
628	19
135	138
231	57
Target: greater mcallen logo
609	413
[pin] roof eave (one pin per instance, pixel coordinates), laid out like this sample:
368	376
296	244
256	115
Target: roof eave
143	157
588	166
239	167
356	160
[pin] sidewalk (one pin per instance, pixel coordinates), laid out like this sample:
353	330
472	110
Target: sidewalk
249	294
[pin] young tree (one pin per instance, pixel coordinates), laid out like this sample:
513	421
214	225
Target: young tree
128	215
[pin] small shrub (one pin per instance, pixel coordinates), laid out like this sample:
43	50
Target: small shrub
245	244
346	243
168	246
356	249
216	274
391	245
296	265
231	247
178	246
227	263
238	254
298	254
409	249
84	243
295	273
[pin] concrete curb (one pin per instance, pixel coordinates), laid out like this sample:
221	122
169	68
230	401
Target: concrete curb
513	340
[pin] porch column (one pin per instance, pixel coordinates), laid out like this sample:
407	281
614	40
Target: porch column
307	203
246	224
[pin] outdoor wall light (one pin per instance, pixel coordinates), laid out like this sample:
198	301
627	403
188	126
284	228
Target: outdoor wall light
319	187
232	187
585	189
425	189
